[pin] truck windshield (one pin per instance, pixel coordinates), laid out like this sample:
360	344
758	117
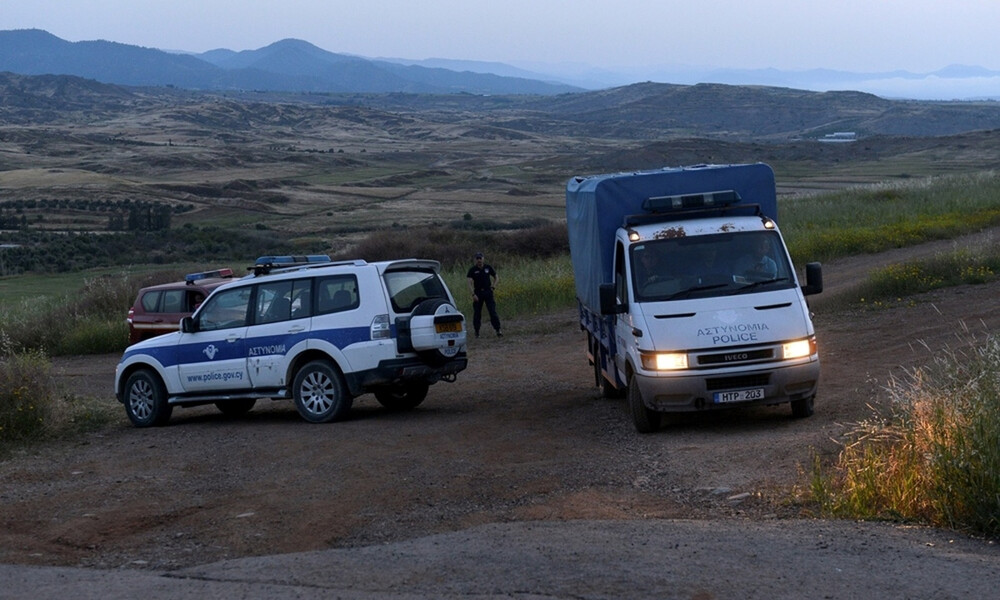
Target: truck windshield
709	265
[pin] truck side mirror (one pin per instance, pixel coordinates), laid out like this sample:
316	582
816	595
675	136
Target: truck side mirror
814	279
609	300
188	325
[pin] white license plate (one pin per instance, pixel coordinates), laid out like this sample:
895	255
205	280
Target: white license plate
739	396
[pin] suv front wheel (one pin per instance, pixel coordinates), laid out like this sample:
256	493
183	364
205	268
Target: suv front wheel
146	399
320	394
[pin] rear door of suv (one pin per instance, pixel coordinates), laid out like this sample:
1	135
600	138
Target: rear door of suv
281	320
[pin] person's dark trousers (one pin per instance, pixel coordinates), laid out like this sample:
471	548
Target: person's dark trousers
477	311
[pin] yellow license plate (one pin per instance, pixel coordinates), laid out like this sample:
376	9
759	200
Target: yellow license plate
453	327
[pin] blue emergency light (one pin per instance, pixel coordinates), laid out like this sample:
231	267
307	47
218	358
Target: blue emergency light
690	201
191	278
292	260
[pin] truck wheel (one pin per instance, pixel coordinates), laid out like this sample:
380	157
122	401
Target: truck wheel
320	394
646	419
803	408
146	399
403	397
236	408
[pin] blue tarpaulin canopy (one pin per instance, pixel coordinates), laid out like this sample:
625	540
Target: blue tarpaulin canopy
596	207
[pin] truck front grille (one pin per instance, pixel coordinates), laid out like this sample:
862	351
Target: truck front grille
735	357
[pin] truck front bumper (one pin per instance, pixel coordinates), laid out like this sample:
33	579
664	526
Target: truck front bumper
709	390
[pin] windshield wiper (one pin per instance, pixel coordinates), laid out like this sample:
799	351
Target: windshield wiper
697	288
750	286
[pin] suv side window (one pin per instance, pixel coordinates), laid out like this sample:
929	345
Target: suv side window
225	310
274	302
150	300
173	301
301	298
337	293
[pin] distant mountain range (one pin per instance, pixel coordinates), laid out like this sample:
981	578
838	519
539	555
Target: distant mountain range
288	65
292	65
955	82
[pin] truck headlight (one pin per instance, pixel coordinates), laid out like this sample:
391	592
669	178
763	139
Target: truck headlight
798	348
664	361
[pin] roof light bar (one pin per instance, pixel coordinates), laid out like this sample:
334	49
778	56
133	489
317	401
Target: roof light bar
292	260
690	201
191	278
265	264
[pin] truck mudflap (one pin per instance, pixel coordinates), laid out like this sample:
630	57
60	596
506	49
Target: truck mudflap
703	391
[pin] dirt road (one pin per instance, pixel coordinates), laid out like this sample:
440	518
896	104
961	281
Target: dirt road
522	437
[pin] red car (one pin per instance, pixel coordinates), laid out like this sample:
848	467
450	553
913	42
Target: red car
158	309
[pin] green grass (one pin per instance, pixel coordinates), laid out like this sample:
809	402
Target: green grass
894	283
877	218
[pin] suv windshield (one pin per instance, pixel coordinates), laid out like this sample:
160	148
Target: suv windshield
409	288
709	265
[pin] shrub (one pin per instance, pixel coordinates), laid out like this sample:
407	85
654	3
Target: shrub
93	335
26	405
455	247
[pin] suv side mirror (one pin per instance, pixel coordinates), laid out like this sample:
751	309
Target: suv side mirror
188	325
609	300
814	279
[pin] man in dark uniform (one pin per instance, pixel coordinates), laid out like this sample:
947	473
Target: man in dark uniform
482	279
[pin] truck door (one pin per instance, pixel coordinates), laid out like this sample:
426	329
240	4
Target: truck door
624	321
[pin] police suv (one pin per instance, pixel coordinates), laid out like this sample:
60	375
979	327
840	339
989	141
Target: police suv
307	329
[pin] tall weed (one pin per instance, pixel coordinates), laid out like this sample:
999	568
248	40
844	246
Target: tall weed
26	394
932	454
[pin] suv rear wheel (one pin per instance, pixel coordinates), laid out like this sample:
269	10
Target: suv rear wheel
320	394
146	399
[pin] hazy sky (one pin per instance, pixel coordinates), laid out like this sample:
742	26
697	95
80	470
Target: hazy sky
858	35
